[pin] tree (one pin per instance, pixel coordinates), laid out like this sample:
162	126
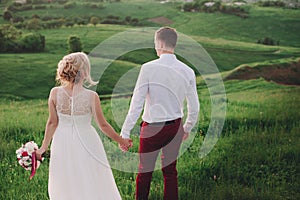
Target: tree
7	15
95	20
9	32
8	38
74	44
34	24
32	42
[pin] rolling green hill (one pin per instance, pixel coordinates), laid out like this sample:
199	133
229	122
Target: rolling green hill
230	40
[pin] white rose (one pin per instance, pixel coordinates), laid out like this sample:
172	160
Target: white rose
19	151
31	147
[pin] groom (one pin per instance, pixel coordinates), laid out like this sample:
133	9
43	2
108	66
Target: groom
163	85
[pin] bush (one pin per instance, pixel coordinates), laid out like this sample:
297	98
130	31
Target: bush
69	23
216	6
188	7
94	20
271	3
94	6
47	18
69	5
234	10
113	17
32	42
267	41
74	43
9	32
17	19
10	42
19	25
7	15
128	19
34	24
25	7
134	21
112	21
82	21
55	23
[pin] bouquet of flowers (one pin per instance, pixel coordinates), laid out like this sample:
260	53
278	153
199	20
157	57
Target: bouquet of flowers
27	158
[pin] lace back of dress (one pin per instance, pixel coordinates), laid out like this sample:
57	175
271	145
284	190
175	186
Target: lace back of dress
78	104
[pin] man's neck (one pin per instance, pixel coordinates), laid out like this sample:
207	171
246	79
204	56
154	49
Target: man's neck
166	52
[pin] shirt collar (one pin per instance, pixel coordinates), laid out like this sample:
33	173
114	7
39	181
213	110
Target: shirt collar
167	56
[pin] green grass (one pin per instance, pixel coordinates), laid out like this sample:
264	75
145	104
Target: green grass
90	36
256	157
18	83
28	76
279	24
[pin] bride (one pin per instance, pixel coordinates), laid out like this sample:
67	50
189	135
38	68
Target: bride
79	168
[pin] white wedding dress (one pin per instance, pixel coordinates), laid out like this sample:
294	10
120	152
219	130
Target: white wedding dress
79	169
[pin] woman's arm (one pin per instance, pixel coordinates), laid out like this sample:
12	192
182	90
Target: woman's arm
104	125
51	124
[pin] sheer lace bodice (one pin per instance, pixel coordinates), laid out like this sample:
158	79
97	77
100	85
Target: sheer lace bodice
78	104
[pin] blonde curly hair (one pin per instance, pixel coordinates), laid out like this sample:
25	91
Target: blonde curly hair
74	68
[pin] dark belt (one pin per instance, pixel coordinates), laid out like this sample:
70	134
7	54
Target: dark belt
162	123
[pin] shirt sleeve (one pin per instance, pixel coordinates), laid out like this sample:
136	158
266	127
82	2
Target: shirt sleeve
137	103
193	106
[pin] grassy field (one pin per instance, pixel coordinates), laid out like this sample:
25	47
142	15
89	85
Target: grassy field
257	155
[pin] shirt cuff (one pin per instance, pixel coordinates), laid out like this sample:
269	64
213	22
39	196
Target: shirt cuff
125	135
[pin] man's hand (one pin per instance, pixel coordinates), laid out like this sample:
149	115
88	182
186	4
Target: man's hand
185	136
126	144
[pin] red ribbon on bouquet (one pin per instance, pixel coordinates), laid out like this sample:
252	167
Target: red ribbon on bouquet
34	165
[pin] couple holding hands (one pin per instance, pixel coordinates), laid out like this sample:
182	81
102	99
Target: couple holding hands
160	91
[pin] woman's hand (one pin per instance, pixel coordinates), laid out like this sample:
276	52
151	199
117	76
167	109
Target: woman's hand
125	144
39	153
185	136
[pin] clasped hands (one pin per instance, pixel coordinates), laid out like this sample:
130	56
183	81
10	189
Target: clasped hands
126	144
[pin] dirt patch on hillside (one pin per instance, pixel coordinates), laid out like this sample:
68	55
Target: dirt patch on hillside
288	73
161	20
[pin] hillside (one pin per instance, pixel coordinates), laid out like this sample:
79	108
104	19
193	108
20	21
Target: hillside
229	40
285	71
258	25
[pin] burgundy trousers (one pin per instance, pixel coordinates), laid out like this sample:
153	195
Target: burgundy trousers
153	139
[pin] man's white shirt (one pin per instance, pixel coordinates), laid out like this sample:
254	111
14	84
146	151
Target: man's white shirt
163	85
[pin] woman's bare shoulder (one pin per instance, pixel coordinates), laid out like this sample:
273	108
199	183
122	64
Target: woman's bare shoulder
93	93
53	92
55	89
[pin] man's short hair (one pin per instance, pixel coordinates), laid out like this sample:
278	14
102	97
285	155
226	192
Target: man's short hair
168	36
